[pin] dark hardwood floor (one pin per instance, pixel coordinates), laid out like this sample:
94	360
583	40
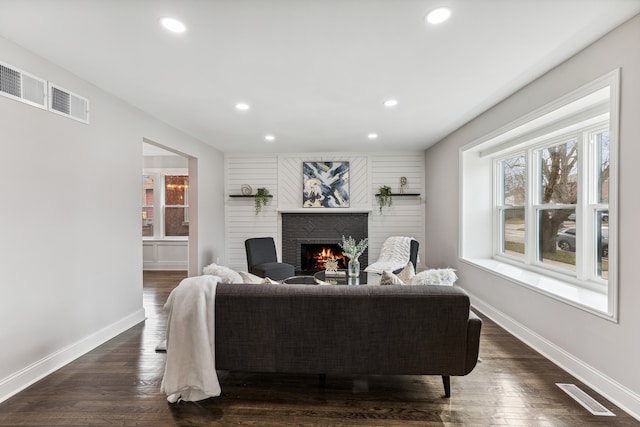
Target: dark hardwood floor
118	384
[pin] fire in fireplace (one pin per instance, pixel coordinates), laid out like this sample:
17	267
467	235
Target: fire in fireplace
313	256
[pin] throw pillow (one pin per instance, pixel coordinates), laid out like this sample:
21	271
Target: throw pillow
268	281
250	278
225	274
388	278
407	273
435	276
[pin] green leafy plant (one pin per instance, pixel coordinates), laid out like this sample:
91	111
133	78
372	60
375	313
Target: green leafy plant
352	250
384	197
261	199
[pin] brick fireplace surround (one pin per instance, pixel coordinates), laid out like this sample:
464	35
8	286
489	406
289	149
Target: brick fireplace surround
320	228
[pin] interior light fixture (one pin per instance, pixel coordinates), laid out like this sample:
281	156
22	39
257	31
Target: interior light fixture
173	25
389	103
372	136
242	106
438	16
269	138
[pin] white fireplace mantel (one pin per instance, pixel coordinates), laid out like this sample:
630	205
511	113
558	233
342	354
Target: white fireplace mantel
325	210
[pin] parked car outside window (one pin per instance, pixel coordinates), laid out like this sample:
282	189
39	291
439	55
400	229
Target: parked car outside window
566	241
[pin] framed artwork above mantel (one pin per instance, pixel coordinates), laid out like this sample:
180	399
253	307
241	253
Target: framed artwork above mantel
325	185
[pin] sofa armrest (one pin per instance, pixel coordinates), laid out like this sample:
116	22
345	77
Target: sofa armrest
473	341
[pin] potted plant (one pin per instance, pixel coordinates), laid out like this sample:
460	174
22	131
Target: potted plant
353	251
261	198
384	197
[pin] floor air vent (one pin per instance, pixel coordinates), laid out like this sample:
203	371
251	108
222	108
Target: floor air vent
21	86
588	402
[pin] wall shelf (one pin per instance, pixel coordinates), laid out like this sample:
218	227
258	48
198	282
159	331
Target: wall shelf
401	194
244	195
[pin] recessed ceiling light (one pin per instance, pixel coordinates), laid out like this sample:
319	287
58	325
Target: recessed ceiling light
242	106
390	103
269	138
372	136
173	25
438	16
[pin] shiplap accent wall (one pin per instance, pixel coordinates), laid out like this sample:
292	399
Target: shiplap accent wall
281	174
290	181
406	215
241	219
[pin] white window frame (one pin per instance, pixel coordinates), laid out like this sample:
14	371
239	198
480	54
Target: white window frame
480	245
159	204
586	220
165	205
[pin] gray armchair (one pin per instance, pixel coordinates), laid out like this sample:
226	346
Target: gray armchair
262	259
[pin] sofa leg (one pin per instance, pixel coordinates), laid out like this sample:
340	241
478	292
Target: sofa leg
446	381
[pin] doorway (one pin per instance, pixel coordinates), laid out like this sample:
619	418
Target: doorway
169	209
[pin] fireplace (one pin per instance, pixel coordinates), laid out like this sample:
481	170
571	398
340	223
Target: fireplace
305	234
314	255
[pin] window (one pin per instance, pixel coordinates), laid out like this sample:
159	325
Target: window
546	185
552	207
147	206
176	209
171	199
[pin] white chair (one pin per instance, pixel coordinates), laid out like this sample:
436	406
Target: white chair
396	252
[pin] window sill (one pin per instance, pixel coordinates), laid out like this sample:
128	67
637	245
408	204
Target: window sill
166	239
586	299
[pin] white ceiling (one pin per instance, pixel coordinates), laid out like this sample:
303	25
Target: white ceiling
315	72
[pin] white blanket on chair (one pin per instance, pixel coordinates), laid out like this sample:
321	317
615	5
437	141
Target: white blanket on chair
394	254
190	369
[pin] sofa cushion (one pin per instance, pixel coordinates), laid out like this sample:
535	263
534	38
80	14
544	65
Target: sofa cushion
407	273
225	274
250	278
435	276
388	278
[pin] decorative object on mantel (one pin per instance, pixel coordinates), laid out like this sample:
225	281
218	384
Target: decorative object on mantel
246	190
326	185
353	251
403	182
261	198
384	197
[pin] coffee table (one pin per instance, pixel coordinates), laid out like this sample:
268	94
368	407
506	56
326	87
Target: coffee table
300	280
364	278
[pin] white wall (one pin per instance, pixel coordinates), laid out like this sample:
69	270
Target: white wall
602	353
281	174
71	253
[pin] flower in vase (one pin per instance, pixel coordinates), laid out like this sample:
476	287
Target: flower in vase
352	250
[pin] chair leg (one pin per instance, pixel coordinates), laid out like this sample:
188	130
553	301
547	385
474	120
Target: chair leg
446	381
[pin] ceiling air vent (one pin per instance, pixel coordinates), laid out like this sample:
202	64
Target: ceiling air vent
21	86
68	104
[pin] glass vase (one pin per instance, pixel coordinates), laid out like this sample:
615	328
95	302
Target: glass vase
354	268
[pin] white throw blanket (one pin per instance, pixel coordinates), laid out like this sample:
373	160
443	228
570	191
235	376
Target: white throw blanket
394	254
190	370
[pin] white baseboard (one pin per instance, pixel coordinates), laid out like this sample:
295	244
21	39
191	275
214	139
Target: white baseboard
23	378
621	396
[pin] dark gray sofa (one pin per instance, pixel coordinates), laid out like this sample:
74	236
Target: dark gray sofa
344	330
